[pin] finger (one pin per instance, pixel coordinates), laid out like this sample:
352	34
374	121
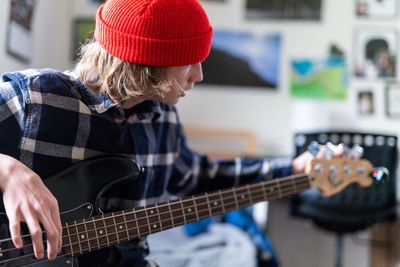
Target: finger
36	233
52	235
15	231
55	214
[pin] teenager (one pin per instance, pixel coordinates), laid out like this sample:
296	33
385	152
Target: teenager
145	56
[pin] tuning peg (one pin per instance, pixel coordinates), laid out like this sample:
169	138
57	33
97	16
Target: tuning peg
329	150
313	148
380	174
356	152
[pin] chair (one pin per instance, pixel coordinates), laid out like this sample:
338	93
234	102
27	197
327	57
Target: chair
355	208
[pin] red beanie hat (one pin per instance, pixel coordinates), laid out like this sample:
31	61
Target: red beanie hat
154	32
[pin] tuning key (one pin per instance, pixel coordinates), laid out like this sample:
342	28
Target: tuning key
356	152
329	150
313	148
380	174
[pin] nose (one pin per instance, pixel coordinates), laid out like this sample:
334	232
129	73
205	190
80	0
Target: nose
197	73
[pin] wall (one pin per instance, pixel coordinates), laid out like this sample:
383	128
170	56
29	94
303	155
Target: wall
272	115
51	35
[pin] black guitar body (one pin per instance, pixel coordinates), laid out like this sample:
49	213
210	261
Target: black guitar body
78	190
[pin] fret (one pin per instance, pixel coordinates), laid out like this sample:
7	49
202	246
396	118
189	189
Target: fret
203	207
183	212
70	240
172	217
100	231
132	224
236	199
221	201
126	225
159	217
105	229
189	210
178	213
143	221
152	219
195	208
87	235
243	197
165	216
95	230
216	205
250	196
287	187
119	220
271	189
257	193
208	204
110	229
79	241
228	201
115	226
264	191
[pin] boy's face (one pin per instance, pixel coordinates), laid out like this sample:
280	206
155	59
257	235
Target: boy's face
185	77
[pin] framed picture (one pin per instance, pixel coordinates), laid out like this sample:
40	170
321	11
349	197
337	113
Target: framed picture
365	103
319	78
375	53
284	9
376	8
393	100
83	30
19	34
241	58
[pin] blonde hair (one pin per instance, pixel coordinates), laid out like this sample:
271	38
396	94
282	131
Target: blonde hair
103	73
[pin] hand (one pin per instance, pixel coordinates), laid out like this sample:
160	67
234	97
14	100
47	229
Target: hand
300	164
27	199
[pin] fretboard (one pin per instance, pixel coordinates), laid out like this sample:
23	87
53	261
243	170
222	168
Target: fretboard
109	229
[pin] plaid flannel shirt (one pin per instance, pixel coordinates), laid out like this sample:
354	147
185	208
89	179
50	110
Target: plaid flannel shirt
49	120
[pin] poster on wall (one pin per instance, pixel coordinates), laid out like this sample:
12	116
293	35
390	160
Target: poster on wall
376	8
243	59
284	9
319	79
19	32
375	53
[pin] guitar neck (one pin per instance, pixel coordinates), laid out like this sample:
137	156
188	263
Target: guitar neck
109	229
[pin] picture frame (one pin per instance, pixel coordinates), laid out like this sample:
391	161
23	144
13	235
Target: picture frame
366	102
377	9
392	99
244	59
308	10
19	38
376	50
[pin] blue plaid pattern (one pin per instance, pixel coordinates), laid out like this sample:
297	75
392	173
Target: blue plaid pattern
49	120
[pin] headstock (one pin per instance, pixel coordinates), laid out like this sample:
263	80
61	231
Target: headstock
333	175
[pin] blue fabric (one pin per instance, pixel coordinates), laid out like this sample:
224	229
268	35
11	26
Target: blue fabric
243	219
50	120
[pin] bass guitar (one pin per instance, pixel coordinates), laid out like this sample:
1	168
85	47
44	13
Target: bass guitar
85	229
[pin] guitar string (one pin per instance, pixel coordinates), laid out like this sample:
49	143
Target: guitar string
225	203
161	206
200	197
89	248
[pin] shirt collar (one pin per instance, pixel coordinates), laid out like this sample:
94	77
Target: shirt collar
102	103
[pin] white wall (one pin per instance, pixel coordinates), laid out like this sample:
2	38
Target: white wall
51	36
273	115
